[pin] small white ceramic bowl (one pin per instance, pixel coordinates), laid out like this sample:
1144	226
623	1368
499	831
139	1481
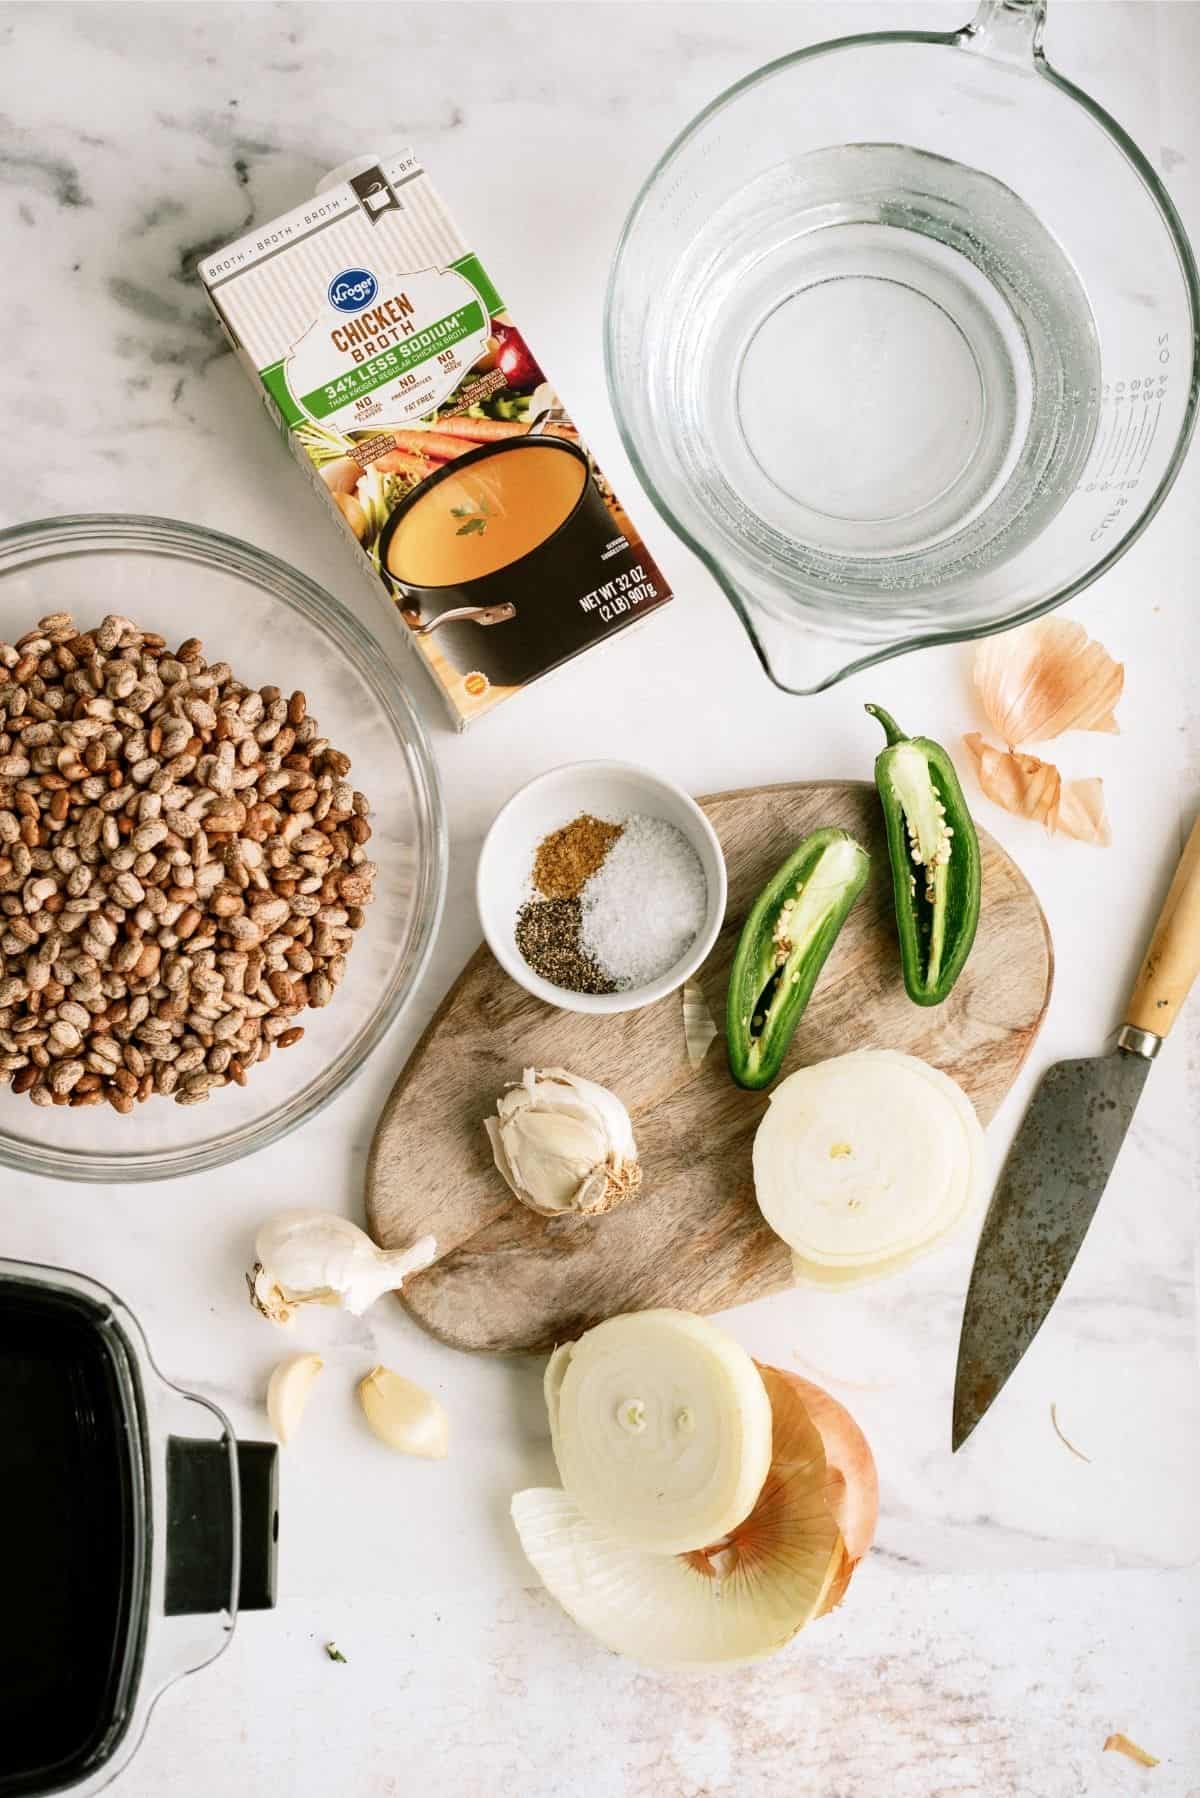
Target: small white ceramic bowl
612	790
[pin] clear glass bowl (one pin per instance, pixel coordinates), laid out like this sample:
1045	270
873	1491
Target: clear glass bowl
272	625
901	336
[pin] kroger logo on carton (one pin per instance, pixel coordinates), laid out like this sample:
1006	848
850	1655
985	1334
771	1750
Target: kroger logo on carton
353	289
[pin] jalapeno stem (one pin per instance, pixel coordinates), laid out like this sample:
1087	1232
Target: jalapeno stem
891	729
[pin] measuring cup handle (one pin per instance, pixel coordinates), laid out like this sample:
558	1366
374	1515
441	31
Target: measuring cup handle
1007	31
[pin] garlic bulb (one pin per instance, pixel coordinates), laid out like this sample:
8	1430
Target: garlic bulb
318	1258
564	1144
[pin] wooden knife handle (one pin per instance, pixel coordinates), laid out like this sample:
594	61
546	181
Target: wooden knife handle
1172	961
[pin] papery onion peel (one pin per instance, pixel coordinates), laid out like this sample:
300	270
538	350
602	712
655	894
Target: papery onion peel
851	1480
1081	812
1119	1743
1030	788
1046	678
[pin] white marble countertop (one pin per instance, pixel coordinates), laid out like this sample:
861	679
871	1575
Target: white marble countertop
1022	1605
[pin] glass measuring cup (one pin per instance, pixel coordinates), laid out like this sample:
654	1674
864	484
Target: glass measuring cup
901	336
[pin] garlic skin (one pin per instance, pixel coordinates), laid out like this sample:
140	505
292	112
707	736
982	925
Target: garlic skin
699	1025
564	1144
317	1258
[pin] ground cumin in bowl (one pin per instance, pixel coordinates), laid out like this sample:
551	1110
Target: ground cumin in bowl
601	887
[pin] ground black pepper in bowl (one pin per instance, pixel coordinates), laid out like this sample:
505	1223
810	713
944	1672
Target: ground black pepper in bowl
547	934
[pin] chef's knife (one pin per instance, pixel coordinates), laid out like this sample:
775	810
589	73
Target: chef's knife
1061	1159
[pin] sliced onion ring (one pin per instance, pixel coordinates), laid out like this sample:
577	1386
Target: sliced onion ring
661	1429
865	1161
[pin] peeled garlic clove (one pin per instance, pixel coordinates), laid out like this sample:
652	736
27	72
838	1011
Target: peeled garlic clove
287	1393
564	1144
661	1429
404	1416
318	1258
736	1599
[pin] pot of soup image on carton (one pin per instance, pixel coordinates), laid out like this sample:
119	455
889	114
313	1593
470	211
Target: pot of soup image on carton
404	387
543	529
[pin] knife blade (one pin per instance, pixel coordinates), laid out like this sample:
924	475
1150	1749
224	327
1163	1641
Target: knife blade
1052	1182
1061	1160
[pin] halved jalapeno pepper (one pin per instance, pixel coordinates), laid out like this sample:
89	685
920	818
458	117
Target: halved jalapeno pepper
935	860
783	946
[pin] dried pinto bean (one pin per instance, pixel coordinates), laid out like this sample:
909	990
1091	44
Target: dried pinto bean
182	867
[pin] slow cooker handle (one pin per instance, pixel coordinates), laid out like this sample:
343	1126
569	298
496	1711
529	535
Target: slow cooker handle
220	1515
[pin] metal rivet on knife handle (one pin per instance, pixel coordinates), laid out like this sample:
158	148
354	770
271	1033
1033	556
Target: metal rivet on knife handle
1173	959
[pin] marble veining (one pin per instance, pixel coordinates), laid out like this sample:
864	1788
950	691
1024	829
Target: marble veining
1022	1604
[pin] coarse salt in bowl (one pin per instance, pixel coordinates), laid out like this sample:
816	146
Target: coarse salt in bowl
614	791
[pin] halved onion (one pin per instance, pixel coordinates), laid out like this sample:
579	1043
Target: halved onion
742	1596
866	1161
661	1429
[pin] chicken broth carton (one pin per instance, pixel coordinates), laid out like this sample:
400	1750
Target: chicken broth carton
387	357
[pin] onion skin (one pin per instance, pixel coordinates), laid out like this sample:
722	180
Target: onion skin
745	1595
852	1488
1046	678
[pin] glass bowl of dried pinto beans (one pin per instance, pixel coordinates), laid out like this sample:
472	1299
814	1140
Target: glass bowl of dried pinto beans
231	927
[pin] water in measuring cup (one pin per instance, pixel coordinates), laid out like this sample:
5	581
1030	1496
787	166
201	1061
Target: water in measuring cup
884	371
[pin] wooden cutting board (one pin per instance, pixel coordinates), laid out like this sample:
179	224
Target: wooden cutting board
507	1280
